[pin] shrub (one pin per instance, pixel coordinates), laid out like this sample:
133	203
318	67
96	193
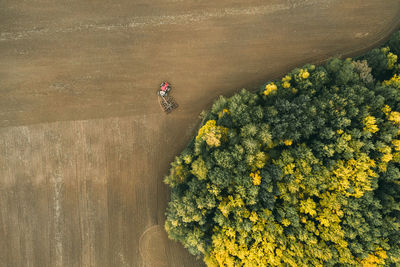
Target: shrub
304	172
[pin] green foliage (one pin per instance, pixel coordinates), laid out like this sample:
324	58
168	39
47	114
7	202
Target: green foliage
304	172
199	169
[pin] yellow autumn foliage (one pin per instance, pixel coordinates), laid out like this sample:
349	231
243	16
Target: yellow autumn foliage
370	124
256	178
394	117
396	144
308	207
394	81
386	109
353	177
223	112
304	73
288	142
212	133
269	88
377	258
286	81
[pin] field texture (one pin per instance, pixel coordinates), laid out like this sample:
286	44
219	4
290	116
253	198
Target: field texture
84	145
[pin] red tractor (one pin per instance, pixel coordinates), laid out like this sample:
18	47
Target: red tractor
167	102
164	89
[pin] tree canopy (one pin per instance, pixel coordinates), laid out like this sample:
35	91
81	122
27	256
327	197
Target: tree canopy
303	172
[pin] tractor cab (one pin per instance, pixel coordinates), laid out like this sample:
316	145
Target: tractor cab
167	103
164	89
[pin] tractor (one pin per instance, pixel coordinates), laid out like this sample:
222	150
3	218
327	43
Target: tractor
166	101
164	89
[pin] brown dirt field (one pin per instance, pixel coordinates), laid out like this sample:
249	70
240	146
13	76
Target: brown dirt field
83	142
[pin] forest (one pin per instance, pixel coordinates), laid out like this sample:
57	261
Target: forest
303	172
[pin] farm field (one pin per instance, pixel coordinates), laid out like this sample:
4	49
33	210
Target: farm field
84	144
